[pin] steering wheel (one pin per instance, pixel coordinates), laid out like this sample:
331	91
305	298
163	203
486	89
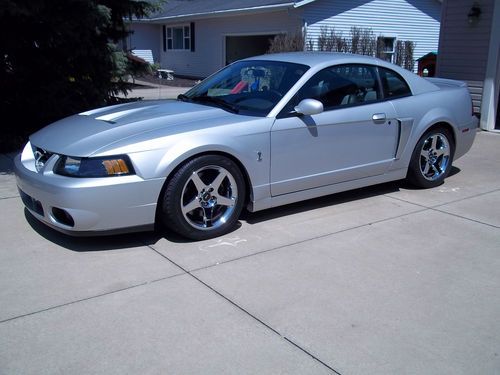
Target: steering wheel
274	94
269	95
360	92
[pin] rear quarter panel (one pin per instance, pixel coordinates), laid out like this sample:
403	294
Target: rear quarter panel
451	106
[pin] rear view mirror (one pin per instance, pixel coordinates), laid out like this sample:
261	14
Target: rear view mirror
309	107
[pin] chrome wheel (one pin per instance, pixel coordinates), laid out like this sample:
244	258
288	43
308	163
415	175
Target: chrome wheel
434	156
208	198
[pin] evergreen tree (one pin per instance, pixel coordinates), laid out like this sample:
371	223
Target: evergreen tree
59	57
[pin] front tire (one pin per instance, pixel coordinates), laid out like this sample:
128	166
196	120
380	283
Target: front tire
204	197
432	158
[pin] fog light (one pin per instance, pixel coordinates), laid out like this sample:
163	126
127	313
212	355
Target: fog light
63	217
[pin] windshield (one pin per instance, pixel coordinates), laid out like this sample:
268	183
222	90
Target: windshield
249	87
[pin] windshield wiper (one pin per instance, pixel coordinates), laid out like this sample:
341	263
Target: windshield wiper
183	98
217	101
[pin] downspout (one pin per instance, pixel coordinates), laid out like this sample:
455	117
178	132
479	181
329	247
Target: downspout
492	78
304	33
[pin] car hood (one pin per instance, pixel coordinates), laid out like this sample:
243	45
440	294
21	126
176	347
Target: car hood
86	133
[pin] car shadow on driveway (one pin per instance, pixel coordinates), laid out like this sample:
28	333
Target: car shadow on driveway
325	201
331	200
98	243
137	239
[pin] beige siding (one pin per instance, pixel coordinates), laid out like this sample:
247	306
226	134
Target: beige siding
476	92
145	37
210	34
463	47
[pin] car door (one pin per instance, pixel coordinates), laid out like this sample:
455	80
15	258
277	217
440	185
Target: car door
354	137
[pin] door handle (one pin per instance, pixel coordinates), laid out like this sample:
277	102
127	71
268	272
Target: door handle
379	118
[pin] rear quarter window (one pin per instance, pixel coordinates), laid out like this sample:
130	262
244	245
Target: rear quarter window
393	84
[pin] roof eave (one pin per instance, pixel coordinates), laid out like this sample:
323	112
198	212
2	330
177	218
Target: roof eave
298	4
220	13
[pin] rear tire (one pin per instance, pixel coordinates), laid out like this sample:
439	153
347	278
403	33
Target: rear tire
204	197
432	159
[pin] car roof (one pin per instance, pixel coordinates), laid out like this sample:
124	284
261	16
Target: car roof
319	60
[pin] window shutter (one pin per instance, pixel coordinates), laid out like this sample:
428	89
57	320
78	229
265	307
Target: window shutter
164	38
192	36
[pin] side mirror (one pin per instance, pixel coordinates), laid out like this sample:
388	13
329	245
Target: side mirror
309	107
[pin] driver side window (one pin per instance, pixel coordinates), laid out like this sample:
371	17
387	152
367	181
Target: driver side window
342	85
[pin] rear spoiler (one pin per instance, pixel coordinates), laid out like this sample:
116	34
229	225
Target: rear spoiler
446	82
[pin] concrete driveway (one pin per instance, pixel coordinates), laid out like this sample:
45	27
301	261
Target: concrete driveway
382	280
151	91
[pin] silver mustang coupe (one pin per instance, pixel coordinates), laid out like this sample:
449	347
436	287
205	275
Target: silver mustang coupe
260	133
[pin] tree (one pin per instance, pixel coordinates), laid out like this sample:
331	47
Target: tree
59	57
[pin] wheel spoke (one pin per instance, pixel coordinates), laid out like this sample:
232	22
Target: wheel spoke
424	154
194	204
434	142
200	185
218	180
435	168
205	218
440	152
223	201
426	168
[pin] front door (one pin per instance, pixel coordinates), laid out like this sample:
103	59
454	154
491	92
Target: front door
355	137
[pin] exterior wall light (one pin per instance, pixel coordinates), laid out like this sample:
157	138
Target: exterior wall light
474	13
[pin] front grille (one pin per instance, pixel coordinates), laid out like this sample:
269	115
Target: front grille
31	203
41	157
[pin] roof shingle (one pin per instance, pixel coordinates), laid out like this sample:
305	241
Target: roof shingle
179	8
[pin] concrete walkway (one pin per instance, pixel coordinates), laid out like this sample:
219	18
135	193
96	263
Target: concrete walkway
151	91
382	280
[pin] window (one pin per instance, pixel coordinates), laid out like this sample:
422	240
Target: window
343	85
179	38
250	87
386	48
393	84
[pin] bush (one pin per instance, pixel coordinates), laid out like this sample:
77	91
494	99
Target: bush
287	43
362	41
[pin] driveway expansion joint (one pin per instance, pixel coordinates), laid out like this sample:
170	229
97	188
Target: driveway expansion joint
13	197
466	198
436	207
246	312
304	240
89	298
466	218
442	204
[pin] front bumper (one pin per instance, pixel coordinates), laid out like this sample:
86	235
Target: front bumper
93	204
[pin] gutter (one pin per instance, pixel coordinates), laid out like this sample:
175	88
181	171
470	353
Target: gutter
219	13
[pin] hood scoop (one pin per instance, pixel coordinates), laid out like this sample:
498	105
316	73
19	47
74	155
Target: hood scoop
114	116
84	134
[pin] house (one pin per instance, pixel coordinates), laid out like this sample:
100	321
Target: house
469	48
198	37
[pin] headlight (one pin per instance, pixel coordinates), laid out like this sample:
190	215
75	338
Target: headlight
94	167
